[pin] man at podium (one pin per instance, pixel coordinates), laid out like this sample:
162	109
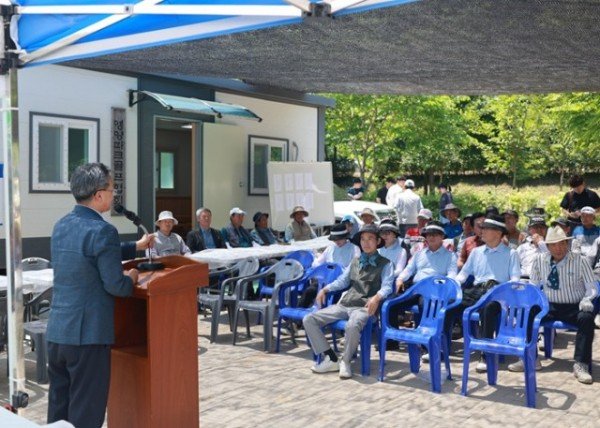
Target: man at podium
86	256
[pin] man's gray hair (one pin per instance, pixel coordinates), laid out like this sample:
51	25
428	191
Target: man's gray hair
88	179
201	210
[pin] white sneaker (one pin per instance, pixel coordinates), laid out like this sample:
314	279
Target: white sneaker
582	374
519	366
597	321
425	358
345	370
481	366
326	366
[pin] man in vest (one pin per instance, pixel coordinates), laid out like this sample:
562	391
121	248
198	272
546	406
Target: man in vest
298	229
370	279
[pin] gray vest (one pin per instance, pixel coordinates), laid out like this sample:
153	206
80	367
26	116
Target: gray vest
364	283
301	231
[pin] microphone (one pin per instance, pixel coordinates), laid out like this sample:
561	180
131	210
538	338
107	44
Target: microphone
135	219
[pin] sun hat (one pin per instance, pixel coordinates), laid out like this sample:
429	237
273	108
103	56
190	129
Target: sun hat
367	228
560	221
433	227
258	215
299	209
347	219
367	211
409	184
338	232
387	224
537	221
452	207
556	234
425	213
511	213
494	222
236	210
166	215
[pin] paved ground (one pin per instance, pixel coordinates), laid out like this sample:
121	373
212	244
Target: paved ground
242	386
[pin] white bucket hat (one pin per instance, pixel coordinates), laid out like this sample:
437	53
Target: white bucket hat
556	234
166	215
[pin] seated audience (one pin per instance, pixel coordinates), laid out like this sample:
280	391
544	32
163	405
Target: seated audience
166	242
205	236
392	248
351	224
567	280
514	237
459	241
342	251
367	216
298	229
262	233
370	278
491	264
586	233
453	227
472	242
533	245
416	241
357	190
234	234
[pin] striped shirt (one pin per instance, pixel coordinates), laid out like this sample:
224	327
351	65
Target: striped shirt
575	278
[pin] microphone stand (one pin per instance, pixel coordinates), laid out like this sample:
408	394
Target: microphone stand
130	215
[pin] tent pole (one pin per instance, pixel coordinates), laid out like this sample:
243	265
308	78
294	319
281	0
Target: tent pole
12	221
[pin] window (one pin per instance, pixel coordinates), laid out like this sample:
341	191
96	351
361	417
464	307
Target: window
59	144
165	165
262	151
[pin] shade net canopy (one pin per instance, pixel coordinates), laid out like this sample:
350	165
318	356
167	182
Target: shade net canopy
405	47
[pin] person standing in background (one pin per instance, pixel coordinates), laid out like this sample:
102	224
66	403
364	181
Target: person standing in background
382	193
445	199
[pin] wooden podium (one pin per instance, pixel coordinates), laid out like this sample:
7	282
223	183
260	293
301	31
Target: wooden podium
154	374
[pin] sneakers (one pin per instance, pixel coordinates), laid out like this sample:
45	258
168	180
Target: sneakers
481	366
597	321
345	370
425	358
326	366
519	366
581	373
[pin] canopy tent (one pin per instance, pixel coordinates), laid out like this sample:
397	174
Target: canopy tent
423	46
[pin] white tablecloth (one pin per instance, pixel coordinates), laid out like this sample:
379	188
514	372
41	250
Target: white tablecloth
222	256
36	281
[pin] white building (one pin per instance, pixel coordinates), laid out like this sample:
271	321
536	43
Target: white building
172	160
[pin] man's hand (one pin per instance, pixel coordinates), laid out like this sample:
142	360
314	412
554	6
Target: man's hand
320	299
373	304
586	305
133	274
536	239
146	241
399	286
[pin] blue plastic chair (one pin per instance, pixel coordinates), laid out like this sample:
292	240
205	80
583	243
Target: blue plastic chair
550	328
516	300
371	328
304	257
288	294
439	294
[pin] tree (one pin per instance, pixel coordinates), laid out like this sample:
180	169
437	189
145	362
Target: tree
364	128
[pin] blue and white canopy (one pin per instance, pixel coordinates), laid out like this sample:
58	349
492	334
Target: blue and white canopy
52	31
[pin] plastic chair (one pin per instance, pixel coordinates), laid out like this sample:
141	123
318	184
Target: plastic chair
284	272
304	257
226	296
371	328
516	301
550	328
288	295
38	306
439	293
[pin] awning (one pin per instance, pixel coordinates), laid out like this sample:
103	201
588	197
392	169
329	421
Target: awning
193	105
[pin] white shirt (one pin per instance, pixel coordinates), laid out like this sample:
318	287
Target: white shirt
408	206
392	194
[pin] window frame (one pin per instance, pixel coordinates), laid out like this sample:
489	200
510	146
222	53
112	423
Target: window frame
66	122
254	140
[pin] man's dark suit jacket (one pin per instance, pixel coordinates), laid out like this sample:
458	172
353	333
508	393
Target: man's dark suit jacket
195	240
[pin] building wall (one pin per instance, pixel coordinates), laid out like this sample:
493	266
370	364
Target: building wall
68	91
298	124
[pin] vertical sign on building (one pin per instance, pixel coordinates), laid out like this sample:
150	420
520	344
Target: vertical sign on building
118	155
